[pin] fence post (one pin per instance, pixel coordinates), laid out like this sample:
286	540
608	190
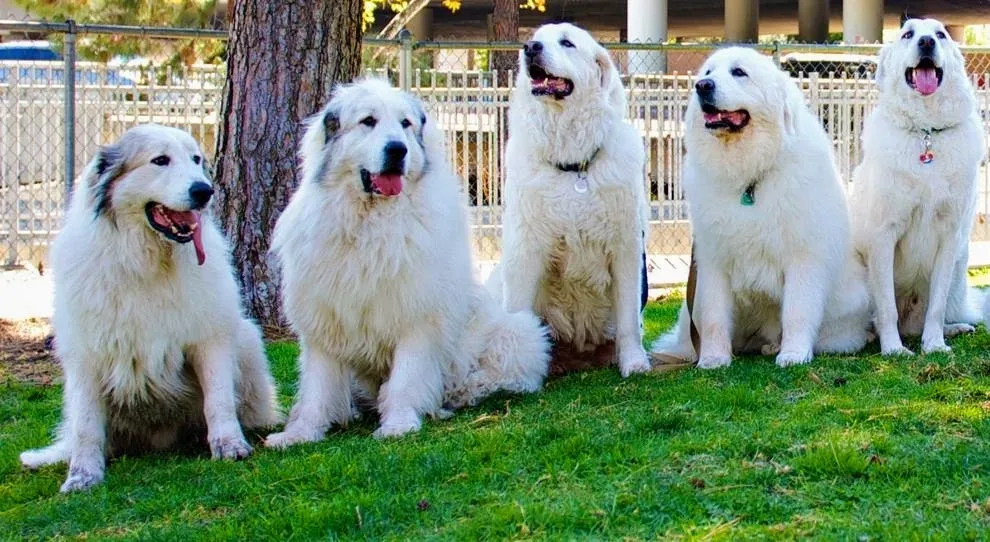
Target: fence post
70	108
405	59
776	53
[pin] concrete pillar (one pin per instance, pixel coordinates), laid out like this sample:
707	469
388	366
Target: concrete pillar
742	20
646	22
421	25
813	21
862	21
957	32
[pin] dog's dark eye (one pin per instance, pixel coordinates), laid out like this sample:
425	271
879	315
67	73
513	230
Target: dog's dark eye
197	160
907	35
738	72
940	34
369	121
406	123
161	160
566	43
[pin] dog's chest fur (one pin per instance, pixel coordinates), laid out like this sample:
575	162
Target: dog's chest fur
111	318
378	276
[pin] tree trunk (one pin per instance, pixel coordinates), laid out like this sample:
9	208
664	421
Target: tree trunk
505	20
283	59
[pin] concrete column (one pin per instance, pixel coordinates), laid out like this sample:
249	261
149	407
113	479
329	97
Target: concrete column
421	25
813	21
742	20
862	21
957	32
646	22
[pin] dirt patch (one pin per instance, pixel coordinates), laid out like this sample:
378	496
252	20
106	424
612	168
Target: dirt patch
26	351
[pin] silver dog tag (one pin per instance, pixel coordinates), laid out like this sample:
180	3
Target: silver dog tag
581	184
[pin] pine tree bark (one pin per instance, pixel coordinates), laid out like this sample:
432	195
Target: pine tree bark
284	56
505	22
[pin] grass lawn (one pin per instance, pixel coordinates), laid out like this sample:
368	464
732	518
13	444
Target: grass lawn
847	448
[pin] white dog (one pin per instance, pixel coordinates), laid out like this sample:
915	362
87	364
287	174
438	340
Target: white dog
148	321
916	189
575	205
776	267
377	275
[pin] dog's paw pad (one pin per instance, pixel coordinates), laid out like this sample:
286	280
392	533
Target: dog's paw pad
792	357
81	480
714	362
232	447
951	330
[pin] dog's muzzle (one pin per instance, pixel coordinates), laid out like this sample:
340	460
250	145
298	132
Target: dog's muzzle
387	182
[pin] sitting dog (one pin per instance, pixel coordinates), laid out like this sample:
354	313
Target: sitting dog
575	203
377	277
916	189
148	320
776	271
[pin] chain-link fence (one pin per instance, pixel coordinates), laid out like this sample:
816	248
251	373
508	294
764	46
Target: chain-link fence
40	106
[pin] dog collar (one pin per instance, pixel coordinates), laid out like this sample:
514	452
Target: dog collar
581	168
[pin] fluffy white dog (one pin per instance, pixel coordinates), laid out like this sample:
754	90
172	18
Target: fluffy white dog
776	266
377	275
916	189
148	321
575	206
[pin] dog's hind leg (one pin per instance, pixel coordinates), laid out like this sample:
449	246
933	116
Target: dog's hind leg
58	452
257	402
677	341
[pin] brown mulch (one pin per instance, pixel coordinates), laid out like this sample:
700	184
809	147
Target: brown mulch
26	352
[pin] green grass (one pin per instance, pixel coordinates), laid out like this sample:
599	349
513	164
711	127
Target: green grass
848	447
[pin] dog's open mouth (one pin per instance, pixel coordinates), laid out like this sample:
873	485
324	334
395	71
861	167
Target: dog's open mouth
386	183
926	77
718	119
547	84
178	226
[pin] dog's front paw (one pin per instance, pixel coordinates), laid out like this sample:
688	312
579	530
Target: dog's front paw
896	351
934	345
951	330
230	447
634	362
392	430
793	357
283	440
81	479
714	362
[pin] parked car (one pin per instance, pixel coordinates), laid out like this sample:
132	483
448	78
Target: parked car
29	50
841	64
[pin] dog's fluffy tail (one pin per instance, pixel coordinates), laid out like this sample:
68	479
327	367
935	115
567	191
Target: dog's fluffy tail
677	341
512	353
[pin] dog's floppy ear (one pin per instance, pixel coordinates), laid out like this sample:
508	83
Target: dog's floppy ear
609	78
108	166
791	99
881	60
331	117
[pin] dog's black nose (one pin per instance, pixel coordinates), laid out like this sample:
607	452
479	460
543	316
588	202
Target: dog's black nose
705	88
532	48
200	194
395	153
926	44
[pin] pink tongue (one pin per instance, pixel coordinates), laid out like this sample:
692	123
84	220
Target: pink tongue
925	81
198	243
387	184
191	219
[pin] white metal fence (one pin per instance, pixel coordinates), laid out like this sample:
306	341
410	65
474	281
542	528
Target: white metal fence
469	102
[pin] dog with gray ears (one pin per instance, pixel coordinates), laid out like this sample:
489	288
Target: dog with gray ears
149	326
377	278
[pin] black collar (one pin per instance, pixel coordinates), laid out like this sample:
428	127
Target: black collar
579	167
